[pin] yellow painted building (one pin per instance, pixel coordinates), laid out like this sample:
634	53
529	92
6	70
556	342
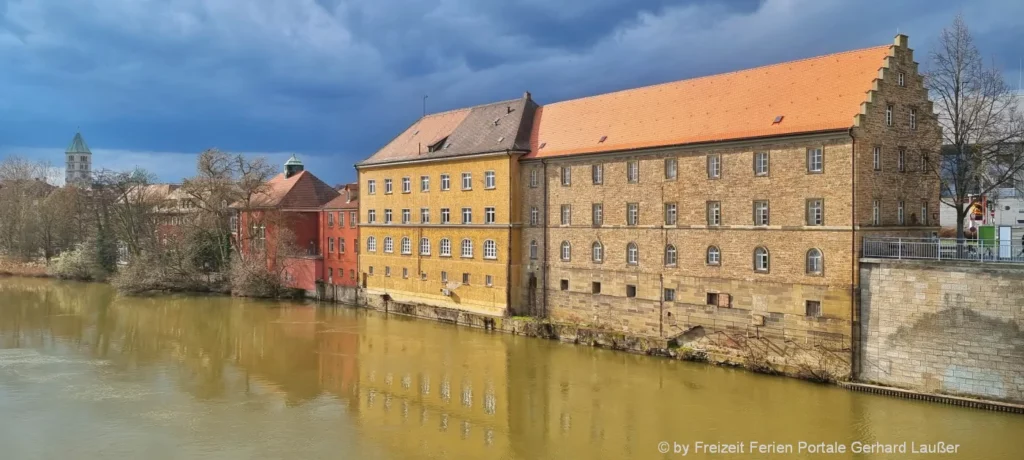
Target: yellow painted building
439	216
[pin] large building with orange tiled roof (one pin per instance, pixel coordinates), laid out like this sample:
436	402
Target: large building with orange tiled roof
733	202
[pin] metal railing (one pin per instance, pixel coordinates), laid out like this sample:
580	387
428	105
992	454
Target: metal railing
990	250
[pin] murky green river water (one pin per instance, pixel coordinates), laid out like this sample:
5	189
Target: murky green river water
85	374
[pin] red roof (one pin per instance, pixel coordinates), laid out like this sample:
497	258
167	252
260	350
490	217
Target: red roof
817	94
301	191
348	198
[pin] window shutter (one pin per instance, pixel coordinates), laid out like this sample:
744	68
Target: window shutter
724	300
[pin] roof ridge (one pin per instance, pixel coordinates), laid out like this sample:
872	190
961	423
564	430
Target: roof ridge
702	77
446	112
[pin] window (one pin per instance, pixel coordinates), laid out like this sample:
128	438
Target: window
446	216
566	176
533	250
355	244
632	213
389	244
712	299
424	215
465	279
330	274
341	219
913	118
595	287
813	308
405	273
446	247
489	215
815	160
566	251
876	158
815	211
875	217
814	262
371	270
352	273
534	216
633	171
446	182
424	246
630	290
760	163
671	213
330	245
924	162
352	219
671	168
371	187
467	248
406	216
761	259
714	256
387	216
597	174
371	244
901	157
563	285
534	177
406	185
467	215
406	245
566	215
714	213
371	216
488	280
888	115
467	181
490	249
670	256
924	212
341	245
330	219
597	252
899	213
489	181
632	254
444	277
387	186
761	213
902	79
423	276
597	214
670	295
424	183
387	271
714	166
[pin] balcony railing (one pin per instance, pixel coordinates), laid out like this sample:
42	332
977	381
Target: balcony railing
994	251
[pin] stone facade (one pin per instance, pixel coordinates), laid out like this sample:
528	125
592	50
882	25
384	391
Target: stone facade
955	328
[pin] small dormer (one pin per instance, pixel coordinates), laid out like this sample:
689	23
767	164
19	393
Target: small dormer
292	167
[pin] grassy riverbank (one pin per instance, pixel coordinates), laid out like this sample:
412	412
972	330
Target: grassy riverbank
26	269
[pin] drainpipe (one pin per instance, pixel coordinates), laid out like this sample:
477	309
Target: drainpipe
544	264
508	252
661	276
854	263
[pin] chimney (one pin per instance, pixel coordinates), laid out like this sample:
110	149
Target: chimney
526	95
901	40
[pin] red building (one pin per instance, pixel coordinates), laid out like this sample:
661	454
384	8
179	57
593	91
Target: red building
283	223
339	238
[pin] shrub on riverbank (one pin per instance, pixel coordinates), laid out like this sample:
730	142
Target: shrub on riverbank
252	278
81	263
160	273
15	268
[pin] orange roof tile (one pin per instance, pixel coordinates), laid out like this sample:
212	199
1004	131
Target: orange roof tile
421	135
303	190
816	94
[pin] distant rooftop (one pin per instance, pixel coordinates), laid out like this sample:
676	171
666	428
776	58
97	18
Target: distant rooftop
78	145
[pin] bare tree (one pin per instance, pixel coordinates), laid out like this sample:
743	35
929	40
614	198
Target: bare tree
977	112
130	203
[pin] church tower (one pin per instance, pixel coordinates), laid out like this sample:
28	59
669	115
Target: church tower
79	161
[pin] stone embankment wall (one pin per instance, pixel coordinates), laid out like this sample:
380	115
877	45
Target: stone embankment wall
954	328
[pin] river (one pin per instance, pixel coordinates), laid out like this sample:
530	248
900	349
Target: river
86	374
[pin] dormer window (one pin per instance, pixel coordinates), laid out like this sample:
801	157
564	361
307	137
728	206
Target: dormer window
437	145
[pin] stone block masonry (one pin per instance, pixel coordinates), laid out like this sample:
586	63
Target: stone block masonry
954	328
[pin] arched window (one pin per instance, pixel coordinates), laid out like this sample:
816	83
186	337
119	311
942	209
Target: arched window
632	254
670	255
467	248
446	247
597	252
389	244
533	250
406	245
371	244
714	255
761	259
490	249
815	262
424	246
566	251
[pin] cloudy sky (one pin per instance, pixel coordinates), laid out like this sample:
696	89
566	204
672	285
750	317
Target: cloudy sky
152	82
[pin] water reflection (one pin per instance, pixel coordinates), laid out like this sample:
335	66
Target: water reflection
239	374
